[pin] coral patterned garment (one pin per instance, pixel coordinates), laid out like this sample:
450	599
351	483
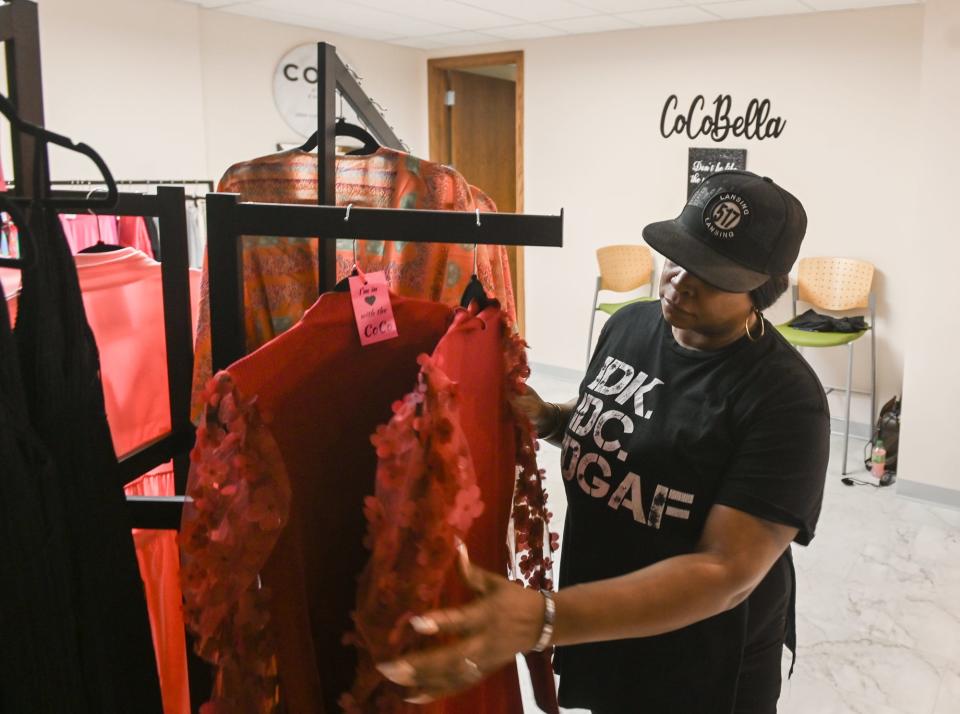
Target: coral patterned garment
272	544
280	274
449	461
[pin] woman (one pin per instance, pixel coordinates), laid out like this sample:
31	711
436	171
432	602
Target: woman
695	453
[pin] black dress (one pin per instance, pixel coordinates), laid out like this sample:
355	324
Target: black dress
75	635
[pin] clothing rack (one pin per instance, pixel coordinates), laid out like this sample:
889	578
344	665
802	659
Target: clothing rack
206	183
228	219
19	32
137	182
167	206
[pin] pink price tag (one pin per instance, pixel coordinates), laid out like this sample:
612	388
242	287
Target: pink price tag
372	308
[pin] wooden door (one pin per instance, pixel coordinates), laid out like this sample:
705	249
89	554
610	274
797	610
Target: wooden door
478	136
481	134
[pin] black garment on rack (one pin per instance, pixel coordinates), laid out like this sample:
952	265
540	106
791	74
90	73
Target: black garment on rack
111	641
39	667
812	321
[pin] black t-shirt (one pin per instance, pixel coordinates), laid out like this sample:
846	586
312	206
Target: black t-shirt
660	434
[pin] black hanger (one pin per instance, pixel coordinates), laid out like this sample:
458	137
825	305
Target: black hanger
345	128
475	292
45	136
370	144
100	247
343	286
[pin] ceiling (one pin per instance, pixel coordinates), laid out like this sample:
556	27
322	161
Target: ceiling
436	24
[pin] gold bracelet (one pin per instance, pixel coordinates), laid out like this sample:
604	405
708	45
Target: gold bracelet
549	619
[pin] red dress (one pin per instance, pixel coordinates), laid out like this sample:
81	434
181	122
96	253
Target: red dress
278	491
273	542
456	461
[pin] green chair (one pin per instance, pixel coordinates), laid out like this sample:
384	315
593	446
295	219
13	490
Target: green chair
622	268
837	285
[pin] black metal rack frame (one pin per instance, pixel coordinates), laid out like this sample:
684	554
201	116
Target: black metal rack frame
334	77
20	34
131	182
228	219
168	206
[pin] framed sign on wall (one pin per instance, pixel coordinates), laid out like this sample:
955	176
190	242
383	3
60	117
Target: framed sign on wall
703	162
295	89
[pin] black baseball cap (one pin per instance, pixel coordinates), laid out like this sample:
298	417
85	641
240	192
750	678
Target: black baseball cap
737	231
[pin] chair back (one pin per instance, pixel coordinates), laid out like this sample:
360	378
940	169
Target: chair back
624	267
835	284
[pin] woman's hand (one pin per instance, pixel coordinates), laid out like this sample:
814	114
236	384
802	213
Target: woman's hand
544	415
503	620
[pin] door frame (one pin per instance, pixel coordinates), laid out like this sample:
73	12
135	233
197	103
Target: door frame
435	88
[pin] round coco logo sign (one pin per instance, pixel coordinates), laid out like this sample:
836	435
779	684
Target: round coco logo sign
295	89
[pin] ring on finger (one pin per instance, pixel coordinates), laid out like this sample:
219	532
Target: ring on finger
472	668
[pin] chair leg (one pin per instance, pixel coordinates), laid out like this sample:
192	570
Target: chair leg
873	377
593	317
846	429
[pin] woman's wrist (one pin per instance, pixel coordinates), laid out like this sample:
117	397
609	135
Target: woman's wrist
552	421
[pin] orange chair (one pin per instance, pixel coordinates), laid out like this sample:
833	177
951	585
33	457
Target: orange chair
622	268
838	285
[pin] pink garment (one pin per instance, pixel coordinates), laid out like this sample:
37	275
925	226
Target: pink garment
10	282
132	231
82	231
123	297
10	241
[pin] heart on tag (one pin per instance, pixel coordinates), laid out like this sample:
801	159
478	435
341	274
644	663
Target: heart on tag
370	299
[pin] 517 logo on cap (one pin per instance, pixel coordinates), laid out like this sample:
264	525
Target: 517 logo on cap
725	214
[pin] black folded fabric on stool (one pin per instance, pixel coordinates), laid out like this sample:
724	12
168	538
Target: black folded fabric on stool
812	321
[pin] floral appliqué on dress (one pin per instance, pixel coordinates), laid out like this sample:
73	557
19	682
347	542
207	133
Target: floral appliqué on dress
240	495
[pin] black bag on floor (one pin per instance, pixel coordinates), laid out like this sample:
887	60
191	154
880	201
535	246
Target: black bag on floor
887	429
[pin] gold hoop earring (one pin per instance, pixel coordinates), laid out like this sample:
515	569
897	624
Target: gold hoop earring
746	325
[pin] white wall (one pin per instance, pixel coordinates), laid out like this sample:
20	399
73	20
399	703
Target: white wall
124	78
847	84
931	387
240	118
164	89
